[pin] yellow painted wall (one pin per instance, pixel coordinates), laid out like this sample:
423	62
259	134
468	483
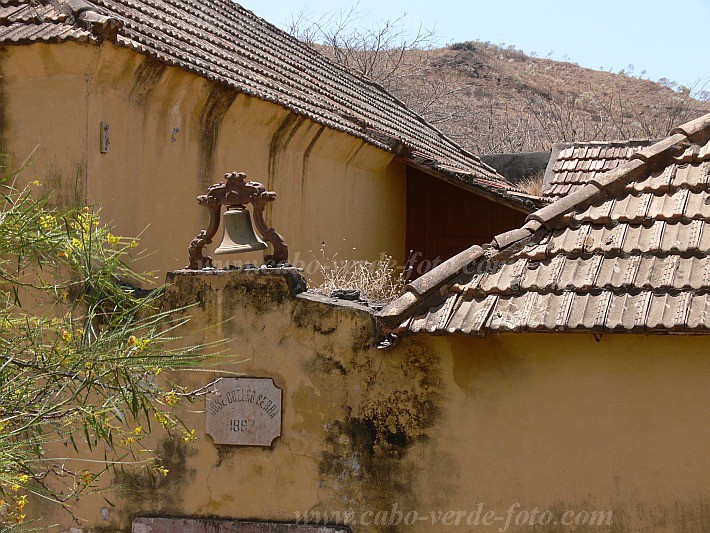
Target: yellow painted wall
172	135
558	422
553	422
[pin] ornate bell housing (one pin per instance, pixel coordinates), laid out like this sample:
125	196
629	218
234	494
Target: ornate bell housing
239	235
236	193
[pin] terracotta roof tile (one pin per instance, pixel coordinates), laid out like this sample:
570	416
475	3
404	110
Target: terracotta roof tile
575	164
49	32
30	13
630	255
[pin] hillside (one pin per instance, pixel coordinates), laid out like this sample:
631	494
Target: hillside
492	99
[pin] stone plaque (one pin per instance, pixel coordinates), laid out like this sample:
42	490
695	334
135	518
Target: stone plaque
244	412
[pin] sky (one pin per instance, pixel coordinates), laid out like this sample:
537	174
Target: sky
666	39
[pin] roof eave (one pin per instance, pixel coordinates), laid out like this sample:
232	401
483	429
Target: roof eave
517	201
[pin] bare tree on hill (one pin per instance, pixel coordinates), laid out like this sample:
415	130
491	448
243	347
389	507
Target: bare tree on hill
493	98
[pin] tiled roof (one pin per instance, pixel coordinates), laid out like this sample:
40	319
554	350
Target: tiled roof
223	42
572	165
629	251
22	22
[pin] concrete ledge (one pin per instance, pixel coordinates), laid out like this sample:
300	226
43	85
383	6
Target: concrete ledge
291	275
336	302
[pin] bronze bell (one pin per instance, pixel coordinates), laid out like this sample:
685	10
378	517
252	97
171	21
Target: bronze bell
239	235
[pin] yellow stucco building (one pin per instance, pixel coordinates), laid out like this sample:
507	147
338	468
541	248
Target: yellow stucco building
551	380
139	107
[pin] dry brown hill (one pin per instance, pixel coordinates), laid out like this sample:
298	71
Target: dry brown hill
492	99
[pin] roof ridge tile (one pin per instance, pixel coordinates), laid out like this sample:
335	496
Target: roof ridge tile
659	152
697	130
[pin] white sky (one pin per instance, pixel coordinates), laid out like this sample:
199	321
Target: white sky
666	39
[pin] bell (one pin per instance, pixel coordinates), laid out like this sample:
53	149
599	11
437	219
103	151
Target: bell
239	236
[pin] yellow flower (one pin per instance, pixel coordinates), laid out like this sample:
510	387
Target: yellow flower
140	344
163	470
47	221
66	335
138	430
113	239
189	435
170	398
160	417
35	183
129	441
21	502
24	478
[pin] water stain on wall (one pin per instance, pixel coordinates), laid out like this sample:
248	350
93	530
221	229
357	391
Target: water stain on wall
219	100
367	456
163	494
145	79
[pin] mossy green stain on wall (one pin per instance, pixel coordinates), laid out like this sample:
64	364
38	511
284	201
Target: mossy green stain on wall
279	143
66	190
558	422
367	455
306	156
219	100
321	319
324	364
145	79
163	494
476	370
